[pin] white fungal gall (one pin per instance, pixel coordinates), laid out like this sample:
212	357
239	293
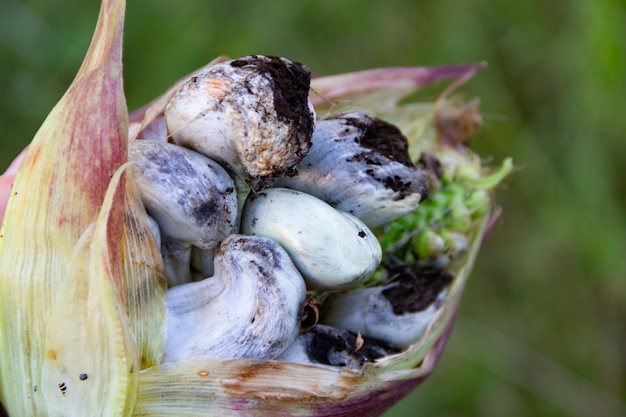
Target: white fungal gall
250	308
397	313
367	312
191	197
333	250
252	114
360	164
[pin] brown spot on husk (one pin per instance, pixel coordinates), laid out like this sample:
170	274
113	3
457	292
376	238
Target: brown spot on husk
274	381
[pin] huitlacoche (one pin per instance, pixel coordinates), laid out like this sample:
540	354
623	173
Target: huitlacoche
360	164
252	114
250	308
331	347
191	197
332	249
304	196
397	313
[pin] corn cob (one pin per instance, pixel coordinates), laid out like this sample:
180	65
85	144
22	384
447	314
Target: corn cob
82	328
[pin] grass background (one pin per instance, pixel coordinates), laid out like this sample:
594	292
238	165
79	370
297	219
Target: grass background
542	329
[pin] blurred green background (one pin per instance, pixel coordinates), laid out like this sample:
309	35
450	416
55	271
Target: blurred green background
542	329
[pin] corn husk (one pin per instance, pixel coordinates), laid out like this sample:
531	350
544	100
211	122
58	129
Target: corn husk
83	312
82	306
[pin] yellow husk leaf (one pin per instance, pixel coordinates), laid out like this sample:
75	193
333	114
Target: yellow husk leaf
143	280
90	365
83	304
